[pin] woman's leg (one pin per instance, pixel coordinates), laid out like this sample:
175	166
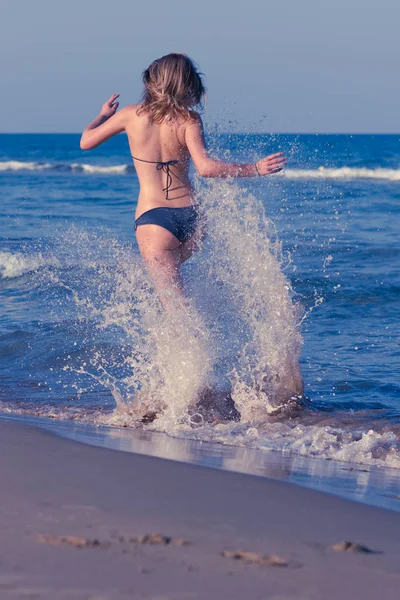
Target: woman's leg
192	245
161	252
163	256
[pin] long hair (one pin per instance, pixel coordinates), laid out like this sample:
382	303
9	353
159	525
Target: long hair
173	87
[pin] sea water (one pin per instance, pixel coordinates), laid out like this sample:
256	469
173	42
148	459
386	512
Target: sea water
301	266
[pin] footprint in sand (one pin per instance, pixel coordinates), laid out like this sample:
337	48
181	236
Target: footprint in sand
72	540
353	547
256	559
154	539
83	542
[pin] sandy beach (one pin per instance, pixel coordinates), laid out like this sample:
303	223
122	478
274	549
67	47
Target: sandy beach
80	522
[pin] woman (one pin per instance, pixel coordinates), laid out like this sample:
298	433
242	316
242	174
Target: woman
164	132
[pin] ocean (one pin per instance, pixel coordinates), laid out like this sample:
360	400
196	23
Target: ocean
304	263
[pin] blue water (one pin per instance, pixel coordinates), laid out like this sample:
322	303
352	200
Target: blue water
66	232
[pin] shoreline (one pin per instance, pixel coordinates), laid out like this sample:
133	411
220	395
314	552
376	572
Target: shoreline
72	517
367	484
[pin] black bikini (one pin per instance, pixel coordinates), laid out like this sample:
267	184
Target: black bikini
181	222
162	166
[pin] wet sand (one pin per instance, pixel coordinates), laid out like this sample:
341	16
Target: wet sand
78	522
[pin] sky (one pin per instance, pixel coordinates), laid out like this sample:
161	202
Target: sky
298	66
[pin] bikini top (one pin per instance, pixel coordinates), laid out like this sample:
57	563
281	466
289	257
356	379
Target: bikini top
162	166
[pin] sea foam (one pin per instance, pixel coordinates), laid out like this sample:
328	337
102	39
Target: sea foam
16	165
341	173
17	264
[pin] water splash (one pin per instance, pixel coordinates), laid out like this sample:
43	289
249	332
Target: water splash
235	339
16	264
245	257
164	355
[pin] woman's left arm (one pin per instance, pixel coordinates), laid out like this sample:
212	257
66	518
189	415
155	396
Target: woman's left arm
105	125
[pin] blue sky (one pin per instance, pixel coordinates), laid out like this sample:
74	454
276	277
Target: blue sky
294	66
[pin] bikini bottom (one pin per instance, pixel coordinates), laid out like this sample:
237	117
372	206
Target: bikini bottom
181	222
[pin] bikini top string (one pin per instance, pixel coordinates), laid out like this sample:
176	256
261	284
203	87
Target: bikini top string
162	166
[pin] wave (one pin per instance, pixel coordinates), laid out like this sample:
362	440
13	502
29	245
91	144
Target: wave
17	264
343	173
338	438
16	165
346	173
94	169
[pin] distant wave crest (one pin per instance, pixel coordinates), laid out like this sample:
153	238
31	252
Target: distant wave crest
17	165
343	173
349	173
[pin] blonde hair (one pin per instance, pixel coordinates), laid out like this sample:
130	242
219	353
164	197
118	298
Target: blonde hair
173	87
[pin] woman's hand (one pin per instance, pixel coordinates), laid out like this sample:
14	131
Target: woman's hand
270	164
108	122
109	108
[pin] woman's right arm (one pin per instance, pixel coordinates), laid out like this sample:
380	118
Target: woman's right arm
207	167
109	122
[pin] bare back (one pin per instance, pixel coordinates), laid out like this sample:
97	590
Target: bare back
149	141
